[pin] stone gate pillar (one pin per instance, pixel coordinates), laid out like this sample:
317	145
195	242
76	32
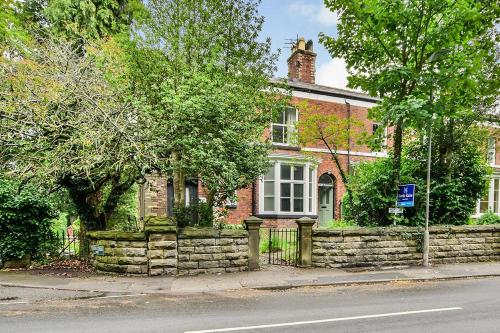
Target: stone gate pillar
305	243
253	226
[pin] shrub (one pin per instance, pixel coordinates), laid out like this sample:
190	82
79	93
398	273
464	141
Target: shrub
454	191
195	215
25	221
341	224
372	195
488	218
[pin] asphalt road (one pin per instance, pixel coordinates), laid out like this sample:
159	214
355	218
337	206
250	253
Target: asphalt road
447	306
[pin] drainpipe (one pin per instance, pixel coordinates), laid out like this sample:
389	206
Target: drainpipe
348	136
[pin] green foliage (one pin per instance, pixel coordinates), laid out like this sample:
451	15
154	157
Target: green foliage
341	224
11	24
488	218
421	57
455	186
371	194
25	221
200	212
87	130
203	78
229	226
124	216
92	19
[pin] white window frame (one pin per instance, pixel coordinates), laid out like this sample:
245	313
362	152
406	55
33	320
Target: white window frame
277	189
291	128
491	198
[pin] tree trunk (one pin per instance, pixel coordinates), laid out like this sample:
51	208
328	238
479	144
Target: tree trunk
345	179
398	148
179	181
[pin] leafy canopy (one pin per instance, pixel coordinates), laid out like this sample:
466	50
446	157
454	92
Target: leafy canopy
203	77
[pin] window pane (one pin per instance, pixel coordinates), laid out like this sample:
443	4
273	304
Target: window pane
298	172
268	189
483	207
286	172
298	191
291	116
298	205
285	204
270	174
285	190
281	119
310	205
269	204
279	134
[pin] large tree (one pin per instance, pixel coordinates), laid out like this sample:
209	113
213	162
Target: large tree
204	79
67	114
422	57
68	121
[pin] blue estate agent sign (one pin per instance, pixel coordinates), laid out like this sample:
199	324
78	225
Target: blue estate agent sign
406	195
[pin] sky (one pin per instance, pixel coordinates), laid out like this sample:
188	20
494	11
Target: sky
287	19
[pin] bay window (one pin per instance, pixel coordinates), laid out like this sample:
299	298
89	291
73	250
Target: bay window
288	189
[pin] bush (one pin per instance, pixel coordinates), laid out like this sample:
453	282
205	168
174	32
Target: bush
195	215
25	222
454	191
341	224
488	218
372	195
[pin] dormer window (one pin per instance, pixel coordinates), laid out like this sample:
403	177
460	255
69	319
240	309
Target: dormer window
282	131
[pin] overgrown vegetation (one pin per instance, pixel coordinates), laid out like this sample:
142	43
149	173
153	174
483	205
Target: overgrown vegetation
25	221
455	188
488	218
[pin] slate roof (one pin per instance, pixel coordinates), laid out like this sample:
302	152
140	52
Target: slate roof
325	90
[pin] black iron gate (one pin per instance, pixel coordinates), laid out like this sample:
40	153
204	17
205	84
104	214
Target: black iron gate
283	245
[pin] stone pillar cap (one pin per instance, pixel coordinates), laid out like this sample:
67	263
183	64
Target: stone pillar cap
305	221
253	221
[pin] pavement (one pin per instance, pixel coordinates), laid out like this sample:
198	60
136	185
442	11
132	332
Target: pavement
268	278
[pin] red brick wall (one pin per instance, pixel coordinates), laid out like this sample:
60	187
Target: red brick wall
243	208
156	198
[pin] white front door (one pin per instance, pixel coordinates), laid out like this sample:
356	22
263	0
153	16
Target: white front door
325	209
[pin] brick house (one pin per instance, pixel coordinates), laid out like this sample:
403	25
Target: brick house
298	184
303	181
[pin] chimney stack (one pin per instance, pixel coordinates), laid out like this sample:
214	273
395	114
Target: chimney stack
302	62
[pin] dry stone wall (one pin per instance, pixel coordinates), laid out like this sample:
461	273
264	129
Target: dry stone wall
394	246
122	252
163	250
212	251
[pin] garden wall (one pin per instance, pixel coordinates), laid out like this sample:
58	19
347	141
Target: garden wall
212	251
119	252
394	246
163	250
